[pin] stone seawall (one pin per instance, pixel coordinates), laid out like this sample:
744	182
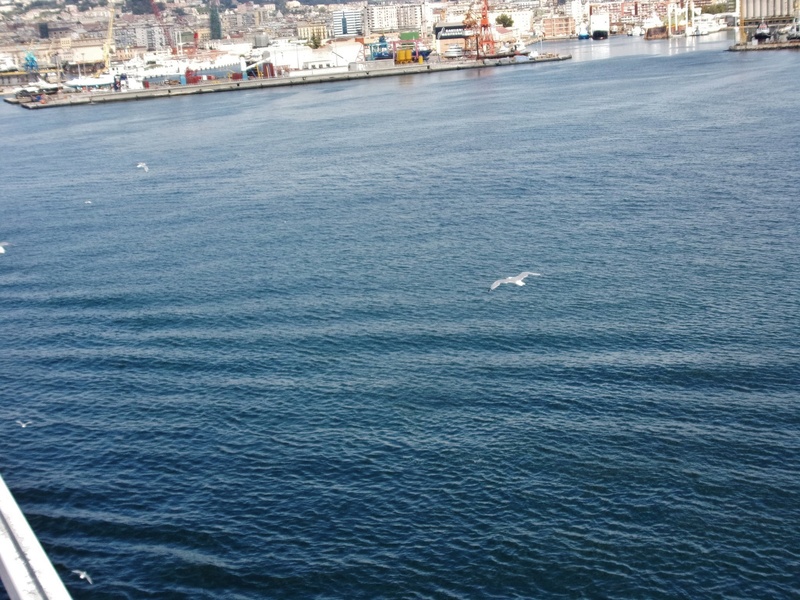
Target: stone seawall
81	98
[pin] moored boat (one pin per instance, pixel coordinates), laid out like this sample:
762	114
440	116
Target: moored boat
656	33
454	51
762	32
599	25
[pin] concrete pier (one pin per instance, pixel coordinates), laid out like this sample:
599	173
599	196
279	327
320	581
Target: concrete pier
25	570
80	98
765	46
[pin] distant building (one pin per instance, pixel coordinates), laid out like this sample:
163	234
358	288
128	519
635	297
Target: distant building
347	23
381	17
410	17
235	21
131	37
558	26
264	15
306	31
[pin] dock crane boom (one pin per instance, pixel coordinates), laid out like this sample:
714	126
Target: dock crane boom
164	29
485	36
108	46
481	30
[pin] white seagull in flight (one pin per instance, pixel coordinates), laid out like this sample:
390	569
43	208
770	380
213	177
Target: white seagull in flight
142	166
82	575
23	425
3	247
518	279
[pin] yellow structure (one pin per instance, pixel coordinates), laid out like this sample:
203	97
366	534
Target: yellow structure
306	31
108	47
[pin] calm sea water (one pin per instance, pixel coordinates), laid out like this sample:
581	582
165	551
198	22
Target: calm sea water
270	366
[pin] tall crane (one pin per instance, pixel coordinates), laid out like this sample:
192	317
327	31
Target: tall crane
108	46
164	29
481	30
485	36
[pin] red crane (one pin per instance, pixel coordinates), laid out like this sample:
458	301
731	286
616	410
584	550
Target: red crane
164	29
485	37
484	40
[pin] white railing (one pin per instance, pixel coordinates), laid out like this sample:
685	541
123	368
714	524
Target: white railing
26	571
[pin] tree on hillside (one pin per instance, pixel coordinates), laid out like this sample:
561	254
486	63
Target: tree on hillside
715	9
214	24
504	20
138	7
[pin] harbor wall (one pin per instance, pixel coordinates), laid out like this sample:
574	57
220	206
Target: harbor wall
98	97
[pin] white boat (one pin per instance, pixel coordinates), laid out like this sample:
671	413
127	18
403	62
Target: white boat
583	32
762	32
114	80
159	66
793	31
453	51
652	21
599	24
101	81
7	64
37	88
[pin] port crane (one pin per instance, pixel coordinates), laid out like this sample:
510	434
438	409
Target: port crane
485	36
108	46
482	30
164	29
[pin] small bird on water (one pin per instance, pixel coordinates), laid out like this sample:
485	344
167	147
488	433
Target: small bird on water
82	575
3	247
142	165
517	279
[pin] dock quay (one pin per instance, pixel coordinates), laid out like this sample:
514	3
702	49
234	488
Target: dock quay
362	72
794	45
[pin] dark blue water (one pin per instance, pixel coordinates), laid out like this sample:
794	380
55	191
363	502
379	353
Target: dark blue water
270	367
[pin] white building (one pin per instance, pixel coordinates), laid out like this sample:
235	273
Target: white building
397	17
380	18
347	23
410	17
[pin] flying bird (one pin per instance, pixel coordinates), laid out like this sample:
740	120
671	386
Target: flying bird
518	279
82	575
23	425
3	247
142	165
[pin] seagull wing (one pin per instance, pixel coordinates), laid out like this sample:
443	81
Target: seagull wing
82	575
501	282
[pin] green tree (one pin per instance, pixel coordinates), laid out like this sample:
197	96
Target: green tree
138	7
315	41
215	24
504	20
715	9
